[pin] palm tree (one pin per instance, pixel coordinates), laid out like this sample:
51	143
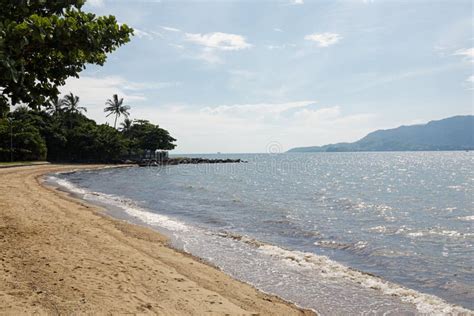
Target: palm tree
55	106
71	102
126	125
115	106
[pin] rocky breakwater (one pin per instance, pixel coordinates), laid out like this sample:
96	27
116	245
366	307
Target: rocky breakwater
184	160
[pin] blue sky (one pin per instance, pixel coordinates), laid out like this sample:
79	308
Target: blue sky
247	76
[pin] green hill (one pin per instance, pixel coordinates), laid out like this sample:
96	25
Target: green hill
454	133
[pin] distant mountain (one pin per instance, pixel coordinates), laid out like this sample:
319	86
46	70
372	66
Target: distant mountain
454	133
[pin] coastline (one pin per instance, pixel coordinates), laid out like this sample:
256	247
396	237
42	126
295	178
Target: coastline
63	255
351	288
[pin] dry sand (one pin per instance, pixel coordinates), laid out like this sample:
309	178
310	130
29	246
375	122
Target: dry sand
59	255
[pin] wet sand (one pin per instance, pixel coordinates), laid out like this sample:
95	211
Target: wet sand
60	255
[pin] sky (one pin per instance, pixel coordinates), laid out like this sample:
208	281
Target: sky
266	76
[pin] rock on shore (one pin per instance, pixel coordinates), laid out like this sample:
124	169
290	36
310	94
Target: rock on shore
180	161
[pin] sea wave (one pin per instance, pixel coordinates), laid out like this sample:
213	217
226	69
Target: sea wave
320	265
436	231
425	303
334	271
466	218
129	206
356	247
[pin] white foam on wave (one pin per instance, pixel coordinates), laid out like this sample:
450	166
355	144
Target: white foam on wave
156	219
466	218
66	185
127	205
325	267
378	229
334	271
433	232
415	234
456	187
441	232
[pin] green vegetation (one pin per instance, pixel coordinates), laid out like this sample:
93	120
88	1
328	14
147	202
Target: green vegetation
26	137
63	133
20	163
42	43
116	106
452	133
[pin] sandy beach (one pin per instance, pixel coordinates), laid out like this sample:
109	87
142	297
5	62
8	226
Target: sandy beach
60	255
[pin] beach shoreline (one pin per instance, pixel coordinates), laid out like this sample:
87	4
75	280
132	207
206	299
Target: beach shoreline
63	255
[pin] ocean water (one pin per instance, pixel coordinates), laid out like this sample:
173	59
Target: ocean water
341	233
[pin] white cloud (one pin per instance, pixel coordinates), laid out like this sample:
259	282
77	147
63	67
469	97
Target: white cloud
251	127
170	29
296	2
276	29
242	73
232	128
324	39
141	34
96	3
468	53
274	47
140	86
212	43
218	40
372	80
256	110
282	46
176	46
94	91
209	56
157	34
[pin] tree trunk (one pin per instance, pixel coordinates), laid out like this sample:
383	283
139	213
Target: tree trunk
115	123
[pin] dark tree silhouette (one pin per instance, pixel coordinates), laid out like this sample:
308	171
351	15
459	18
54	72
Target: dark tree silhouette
116	106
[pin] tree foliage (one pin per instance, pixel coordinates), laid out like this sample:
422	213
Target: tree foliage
69	136
144	135
71	103
55	106
116	106
42	43
24	131
126	125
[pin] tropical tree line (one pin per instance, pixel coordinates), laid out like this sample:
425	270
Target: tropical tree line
42	43
60	131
